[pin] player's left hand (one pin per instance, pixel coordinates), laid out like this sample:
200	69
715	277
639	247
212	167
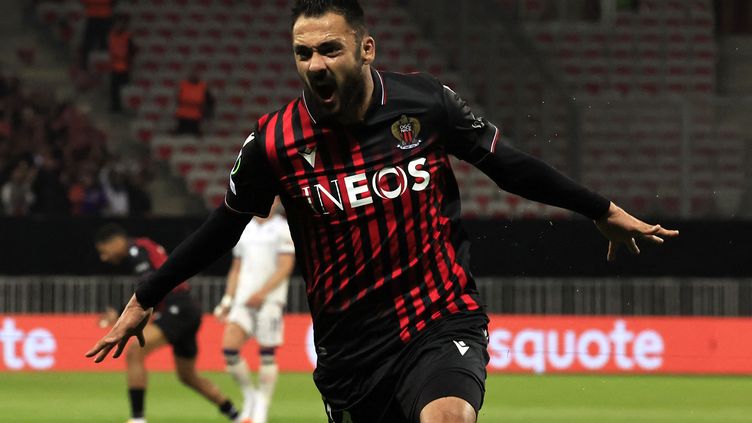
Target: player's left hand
256	300
619	227
131	323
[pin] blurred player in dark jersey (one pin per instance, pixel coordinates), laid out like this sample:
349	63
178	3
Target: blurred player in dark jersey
361	163
176	321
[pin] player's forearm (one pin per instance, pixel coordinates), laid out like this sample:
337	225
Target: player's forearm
529	177
232	285
232	278
214	238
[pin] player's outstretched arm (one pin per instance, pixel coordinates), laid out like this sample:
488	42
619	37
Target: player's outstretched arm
219	233
131	323
619	227
214	238
477	141
531	178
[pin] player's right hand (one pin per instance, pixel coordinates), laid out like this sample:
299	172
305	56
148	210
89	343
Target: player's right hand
223	308
131	323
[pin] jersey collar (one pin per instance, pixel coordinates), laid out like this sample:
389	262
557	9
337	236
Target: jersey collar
377	99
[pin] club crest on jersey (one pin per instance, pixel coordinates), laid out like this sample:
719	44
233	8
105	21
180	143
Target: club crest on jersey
406	130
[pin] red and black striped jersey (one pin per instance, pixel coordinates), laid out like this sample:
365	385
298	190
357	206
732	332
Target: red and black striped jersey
146	256
374	210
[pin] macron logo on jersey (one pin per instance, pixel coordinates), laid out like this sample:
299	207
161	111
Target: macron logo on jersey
309	154
360	189
462	346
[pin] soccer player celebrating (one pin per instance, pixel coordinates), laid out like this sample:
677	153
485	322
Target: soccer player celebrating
361	163
253	305
177	319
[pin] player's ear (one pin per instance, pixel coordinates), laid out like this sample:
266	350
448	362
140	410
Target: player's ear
368	47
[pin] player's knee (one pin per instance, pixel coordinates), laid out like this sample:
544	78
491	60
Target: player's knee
268	355
448	410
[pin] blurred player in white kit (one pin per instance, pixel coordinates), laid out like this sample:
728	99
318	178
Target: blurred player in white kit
253	306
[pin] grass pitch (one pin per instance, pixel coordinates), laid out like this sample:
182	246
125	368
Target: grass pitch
101	397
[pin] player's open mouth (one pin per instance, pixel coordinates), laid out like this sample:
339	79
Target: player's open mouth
325	91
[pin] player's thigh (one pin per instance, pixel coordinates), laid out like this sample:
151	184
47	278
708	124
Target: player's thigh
377	407
270	325
448	410
446	366
234	336
155	339
243	318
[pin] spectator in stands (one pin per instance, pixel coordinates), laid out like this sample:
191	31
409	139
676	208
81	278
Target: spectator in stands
48	188
4	122
16	194
113	182
139	201
122	50
12	103
62	153
139	175
86	196
194	103
98	23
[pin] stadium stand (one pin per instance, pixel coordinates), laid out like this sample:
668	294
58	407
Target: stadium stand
640	88
647	65
244	54
624	86
54	161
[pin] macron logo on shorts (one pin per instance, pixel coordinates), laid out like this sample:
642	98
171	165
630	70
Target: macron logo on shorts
462	347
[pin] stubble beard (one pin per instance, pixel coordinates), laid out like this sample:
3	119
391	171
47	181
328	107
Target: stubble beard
352	94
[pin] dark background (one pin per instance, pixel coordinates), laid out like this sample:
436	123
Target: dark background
64	246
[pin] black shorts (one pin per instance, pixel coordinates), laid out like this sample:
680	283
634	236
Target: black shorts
448	360
179	319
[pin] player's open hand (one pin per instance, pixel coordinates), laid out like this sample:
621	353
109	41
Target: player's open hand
619	227
131	323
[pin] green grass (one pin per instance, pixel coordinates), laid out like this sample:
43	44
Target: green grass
101	397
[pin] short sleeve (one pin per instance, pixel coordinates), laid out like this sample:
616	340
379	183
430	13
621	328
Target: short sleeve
284	239
470	138
252	186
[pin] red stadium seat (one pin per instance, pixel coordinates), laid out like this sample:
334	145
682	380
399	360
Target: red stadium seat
164	152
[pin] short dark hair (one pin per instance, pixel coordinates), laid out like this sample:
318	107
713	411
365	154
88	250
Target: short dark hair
109	231
349	9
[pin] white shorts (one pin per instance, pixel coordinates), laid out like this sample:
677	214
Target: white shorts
265	324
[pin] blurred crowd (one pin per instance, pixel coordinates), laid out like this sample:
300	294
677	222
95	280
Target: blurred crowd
54	161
